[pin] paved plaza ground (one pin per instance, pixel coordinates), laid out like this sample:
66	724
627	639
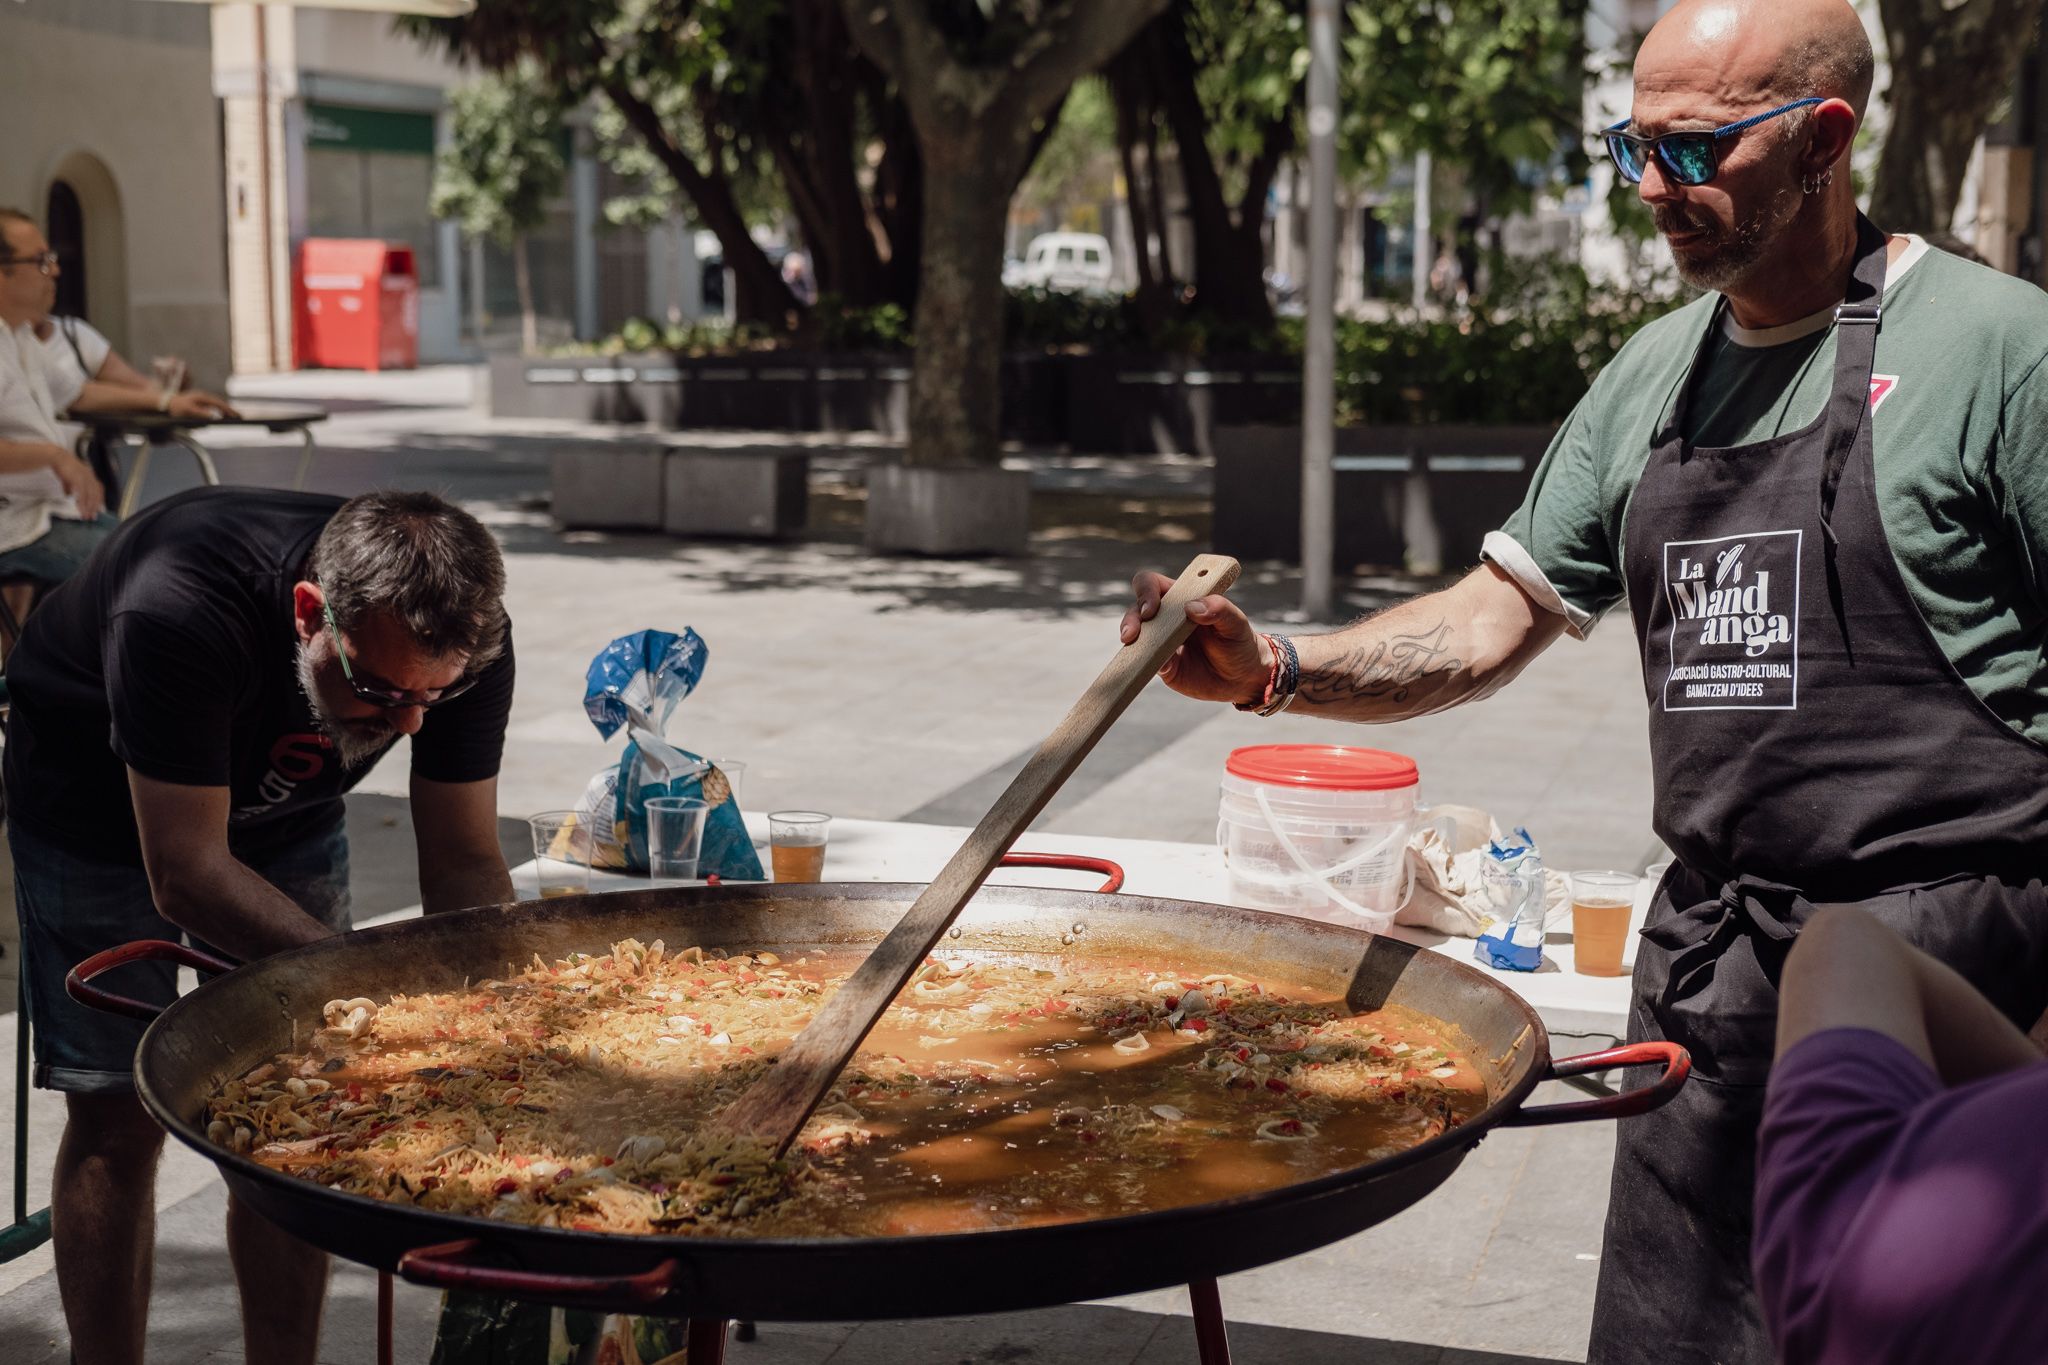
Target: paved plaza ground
890	688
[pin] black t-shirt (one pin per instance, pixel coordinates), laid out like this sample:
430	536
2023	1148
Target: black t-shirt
173	651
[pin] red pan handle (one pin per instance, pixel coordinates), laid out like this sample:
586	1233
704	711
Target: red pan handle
443	1267
1076	862
1677	1064
76	981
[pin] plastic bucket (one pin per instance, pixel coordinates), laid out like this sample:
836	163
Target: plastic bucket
1319	830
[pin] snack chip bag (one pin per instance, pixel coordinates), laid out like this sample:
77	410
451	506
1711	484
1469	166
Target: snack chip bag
634	683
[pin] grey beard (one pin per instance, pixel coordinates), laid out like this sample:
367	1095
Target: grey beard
1728	266
355	742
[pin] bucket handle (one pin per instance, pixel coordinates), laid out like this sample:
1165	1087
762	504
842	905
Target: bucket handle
1324	875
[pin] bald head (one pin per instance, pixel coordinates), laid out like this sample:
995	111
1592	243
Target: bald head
1751	54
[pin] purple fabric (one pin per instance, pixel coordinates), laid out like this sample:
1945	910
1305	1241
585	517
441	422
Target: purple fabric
1897	1220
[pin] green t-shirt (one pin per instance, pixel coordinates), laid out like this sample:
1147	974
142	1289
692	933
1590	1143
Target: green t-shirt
1960	441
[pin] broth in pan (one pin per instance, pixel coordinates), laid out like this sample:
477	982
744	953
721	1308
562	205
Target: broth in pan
996	1092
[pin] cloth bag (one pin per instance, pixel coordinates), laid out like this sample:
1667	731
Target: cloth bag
1447	858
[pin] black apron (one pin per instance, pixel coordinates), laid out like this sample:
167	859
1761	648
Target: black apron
1810	743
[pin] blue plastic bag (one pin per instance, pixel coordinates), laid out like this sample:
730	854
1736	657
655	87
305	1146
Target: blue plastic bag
635	683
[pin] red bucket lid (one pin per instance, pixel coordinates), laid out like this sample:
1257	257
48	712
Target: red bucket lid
1325	767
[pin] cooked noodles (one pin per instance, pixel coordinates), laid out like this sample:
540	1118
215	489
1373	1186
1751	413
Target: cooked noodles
996	1092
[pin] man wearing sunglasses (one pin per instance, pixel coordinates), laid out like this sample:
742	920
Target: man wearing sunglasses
1819	489
188	711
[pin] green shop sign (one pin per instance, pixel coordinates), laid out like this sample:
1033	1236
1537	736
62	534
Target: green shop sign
369	130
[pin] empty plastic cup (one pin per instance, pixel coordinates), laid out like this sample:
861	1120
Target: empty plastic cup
735	772
561	853
675	837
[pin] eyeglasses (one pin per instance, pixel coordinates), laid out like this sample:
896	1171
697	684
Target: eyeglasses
391	698
45	262
1690	158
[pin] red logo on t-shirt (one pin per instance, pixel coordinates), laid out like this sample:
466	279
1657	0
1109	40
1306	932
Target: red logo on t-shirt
1881	385
294	760
300	758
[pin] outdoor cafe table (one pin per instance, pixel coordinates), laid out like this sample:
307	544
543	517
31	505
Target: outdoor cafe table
152	429
1577	1007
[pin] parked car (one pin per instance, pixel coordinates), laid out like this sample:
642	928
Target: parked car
1066	261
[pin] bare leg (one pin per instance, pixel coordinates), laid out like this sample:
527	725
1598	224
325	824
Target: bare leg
19	598
284	1286
103	1223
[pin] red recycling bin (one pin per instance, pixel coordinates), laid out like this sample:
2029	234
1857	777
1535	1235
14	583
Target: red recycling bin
358	305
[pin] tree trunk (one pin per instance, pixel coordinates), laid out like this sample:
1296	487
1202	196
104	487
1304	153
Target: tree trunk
759	294
816	125
975	128
522	276
955	383
896	203
1951	65
1229	267
1155	186
1134	194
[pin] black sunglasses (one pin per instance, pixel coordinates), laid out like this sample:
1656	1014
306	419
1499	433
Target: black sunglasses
390	697
1690	158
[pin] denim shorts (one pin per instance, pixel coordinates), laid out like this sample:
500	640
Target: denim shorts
72	907
61	551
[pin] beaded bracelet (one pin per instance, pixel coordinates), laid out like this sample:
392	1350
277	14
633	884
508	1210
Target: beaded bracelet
1281	682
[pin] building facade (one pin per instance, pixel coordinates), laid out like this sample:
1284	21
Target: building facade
114	146
330	121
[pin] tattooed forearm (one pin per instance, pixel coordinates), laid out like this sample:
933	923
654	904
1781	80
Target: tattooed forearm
1390	669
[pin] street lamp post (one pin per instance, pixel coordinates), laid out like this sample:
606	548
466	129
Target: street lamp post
1319	354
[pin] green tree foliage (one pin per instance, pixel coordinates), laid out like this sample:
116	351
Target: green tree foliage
1493	86
502	166
716	92
1077	165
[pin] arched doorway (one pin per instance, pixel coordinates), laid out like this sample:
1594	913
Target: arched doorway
84	221
64	225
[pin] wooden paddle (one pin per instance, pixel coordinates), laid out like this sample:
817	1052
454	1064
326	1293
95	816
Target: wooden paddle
777	1105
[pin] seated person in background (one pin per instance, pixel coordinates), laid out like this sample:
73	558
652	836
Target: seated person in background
1899	1208
87	374
52	513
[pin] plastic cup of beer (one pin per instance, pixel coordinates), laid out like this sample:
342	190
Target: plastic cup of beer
675	837
561	853
796	844
1601	904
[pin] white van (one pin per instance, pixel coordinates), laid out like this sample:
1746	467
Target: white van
1065	261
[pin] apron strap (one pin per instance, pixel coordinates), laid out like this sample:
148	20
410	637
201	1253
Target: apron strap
1766	912
1856	324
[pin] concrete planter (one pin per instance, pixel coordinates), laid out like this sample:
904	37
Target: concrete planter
948	511
1419	496
750	493
1108	404
607	487
1159	404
